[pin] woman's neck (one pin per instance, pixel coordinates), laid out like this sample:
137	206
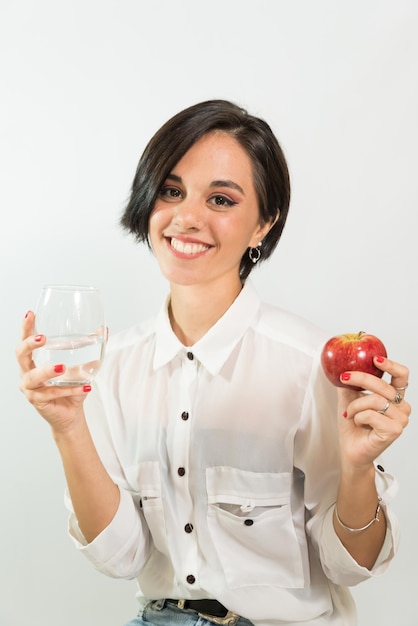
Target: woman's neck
193	310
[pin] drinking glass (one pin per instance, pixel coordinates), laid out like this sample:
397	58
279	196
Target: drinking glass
72	319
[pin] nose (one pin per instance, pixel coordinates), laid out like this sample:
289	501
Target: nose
189	215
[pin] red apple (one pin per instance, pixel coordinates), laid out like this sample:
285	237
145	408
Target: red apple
351	352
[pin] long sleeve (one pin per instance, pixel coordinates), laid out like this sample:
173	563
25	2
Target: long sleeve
122	549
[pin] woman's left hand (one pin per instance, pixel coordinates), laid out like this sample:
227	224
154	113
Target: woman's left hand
372	421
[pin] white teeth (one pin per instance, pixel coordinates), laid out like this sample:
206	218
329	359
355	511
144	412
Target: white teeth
187	248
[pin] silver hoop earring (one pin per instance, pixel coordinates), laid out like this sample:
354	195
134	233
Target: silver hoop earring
254	254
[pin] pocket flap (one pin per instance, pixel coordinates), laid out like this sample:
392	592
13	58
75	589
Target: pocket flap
249	489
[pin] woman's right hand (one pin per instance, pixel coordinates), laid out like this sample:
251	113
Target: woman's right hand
61	407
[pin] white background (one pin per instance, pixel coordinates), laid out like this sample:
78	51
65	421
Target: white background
84	85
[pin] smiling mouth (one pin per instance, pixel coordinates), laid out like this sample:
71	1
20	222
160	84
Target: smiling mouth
187	247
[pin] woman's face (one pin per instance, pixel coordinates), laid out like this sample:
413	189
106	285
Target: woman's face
206	214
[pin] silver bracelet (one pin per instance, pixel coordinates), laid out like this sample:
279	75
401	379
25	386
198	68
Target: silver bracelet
359	530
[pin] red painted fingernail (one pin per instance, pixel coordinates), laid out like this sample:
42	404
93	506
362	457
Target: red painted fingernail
87	388
345	414
380	359
27	314
59	368
38	338
345	376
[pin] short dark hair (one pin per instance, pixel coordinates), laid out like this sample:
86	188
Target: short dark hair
179	134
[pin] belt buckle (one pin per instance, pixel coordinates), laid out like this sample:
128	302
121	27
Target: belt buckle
230	618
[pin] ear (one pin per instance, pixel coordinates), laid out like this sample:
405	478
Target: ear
262	230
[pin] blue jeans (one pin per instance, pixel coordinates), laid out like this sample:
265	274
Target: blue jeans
162	613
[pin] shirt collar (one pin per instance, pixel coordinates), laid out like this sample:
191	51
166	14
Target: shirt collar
213	349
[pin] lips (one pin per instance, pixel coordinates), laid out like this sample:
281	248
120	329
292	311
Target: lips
188	247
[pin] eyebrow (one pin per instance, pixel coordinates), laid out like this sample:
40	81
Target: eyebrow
175	178
227	183
215	183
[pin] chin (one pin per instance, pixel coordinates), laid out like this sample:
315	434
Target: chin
181	278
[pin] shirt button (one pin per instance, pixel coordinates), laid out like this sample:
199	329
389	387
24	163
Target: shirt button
181	471
185	416
190	356
188	528
191	579
249	522
380	468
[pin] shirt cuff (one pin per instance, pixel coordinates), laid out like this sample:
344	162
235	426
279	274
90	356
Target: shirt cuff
338	564
122	548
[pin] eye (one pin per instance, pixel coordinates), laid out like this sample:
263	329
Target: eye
169	193
222	201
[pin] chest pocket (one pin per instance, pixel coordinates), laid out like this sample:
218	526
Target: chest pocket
251	525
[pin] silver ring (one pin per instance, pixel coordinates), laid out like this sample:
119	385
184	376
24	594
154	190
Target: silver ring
402	388
385	408
398	398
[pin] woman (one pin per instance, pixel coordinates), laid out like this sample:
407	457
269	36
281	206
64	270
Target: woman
212	459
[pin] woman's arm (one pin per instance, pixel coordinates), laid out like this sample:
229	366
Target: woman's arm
369	424
94	495
357	505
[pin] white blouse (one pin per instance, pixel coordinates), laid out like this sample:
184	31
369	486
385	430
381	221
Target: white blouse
226	455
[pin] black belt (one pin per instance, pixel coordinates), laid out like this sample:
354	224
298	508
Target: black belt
211	610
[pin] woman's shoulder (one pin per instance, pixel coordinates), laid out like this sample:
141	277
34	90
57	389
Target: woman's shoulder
290	328
133	335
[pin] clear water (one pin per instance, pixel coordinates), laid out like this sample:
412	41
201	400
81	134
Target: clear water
81	355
